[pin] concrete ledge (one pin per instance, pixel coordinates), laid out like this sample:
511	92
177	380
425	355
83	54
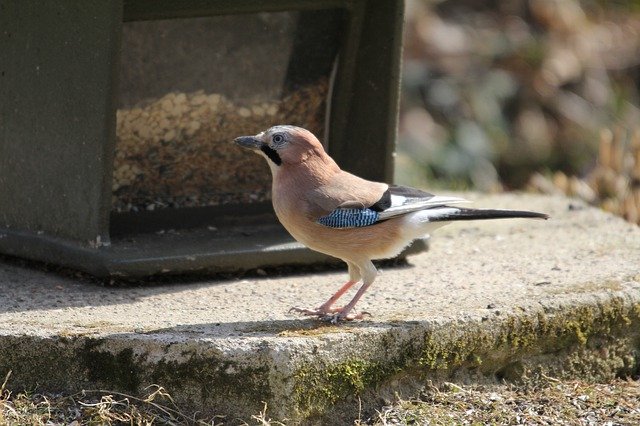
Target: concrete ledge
490	300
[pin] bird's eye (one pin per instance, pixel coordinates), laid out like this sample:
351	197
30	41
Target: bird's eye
277	139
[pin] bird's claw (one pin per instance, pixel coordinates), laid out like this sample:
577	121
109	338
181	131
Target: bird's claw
309	312
337	317
332	315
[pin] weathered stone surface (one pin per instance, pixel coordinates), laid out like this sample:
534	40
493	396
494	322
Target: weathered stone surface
490	300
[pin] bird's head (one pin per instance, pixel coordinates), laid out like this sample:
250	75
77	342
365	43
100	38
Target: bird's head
284	145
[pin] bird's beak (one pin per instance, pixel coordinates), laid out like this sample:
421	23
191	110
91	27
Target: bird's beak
250	142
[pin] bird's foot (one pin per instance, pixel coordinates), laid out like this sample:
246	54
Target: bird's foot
318	312
338	317
332	315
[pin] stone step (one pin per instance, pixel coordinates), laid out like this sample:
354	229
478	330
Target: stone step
490	300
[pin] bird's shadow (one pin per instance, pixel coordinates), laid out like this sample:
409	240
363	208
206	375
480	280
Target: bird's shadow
30	285
302	327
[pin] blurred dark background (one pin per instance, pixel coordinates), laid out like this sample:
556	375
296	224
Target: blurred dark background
497	92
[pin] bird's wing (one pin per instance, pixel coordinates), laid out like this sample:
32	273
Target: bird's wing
366	205
403	199
343	191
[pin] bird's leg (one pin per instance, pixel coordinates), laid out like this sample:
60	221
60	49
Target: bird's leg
344	313
369	273
326	307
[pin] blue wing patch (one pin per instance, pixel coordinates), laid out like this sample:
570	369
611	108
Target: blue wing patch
349	218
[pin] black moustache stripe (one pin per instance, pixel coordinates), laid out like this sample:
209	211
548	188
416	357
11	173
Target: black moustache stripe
272	154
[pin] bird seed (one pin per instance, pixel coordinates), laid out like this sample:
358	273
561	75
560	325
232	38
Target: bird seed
177	151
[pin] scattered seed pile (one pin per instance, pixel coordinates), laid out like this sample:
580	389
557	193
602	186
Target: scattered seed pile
614	184
177	151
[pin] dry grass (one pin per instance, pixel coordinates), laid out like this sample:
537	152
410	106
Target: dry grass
93	407
545	401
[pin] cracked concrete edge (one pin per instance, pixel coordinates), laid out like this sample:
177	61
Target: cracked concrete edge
309	373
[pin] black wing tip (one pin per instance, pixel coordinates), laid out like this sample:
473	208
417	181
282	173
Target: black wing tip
479	214
526	214
515	214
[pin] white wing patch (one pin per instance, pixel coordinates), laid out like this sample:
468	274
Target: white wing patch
402	205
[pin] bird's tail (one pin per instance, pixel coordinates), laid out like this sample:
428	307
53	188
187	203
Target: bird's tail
446	214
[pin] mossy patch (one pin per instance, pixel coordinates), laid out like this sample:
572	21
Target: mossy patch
35	362
212	379
473	345
117	370
503	348
317	389
442	350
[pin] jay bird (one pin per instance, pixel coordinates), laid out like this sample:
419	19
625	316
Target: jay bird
342	215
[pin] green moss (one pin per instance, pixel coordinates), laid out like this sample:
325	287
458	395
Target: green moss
115	370
524	335
316	389
214	379
636	310
441	352
38	363
205	378
497	347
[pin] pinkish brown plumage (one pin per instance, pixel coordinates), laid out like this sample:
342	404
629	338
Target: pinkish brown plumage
342	215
